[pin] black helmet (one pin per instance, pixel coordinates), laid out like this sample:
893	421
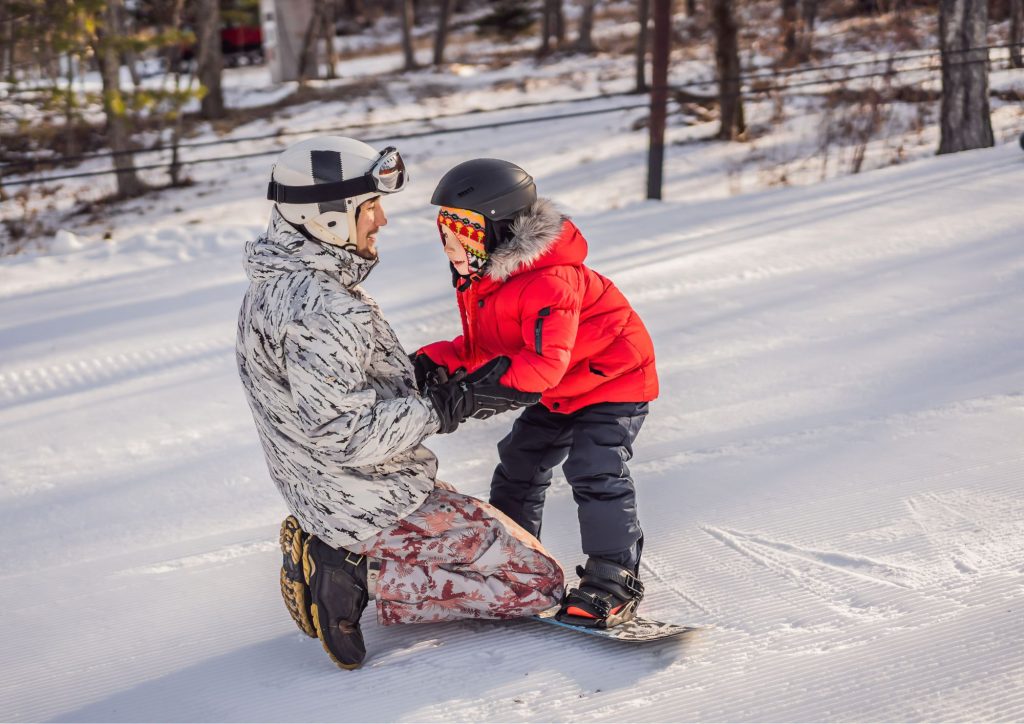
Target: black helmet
497	189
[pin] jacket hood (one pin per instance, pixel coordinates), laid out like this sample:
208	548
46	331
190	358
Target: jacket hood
282	249
540	236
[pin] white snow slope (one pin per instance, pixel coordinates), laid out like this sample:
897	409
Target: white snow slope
832	480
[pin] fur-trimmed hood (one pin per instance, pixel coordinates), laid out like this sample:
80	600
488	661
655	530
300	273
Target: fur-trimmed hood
540	231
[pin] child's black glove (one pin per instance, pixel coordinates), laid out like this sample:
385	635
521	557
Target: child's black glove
490	397
478	395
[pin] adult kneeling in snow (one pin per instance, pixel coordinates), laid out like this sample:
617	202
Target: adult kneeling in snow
342	424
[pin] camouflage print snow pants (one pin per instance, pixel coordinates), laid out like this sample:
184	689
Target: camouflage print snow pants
458	557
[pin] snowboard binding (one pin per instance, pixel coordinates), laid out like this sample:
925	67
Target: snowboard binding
608	595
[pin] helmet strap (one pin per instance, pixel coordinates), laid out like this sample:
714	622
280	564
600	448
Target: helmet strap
462	282
352	215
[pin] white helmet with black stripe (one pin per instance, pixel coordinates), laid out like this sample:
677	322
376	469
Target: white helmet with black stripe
318	184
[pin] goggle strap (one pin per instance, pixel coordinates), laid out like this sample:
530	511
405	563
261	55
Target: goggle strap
319	193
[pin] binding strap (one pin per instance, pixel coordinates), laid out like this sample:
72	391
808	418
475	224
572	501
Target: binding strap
613	578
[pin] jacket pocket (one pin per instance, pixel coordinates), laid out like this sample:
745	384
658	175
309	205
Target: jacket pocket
538	329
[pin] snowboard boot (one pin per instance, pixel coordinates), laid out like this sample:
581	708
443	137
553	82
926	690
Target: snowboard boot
338	596
294	590
608	594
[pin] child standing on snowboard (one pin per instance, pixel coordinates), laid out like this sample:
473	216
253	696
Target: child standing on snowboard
567	332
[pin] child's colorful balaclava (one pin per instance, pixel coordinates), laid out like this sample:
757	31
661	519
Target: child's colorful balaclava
471	228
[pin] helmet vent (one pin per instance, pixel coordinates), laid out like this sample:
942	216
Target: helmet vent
327	168
467	190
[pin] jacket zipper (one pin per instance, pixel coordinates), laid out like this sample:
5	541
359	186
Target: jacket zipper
468	320
538	329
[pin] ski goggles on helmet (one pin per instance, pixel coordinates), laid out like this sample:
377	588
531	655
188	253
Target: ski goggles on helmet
388	171
387	175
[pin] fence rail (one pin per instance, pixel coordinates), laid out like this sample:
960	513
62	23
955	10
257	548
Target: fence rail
756	88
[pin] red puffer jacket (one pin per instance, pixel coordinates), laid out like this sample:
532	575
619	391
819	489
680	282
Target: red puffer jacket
569	332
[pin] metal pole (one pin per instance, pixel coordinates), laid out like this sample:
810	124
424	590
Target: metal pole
662	16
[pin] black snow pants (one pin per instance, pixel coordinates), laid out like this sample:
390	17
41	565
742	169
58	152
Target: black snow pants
595	443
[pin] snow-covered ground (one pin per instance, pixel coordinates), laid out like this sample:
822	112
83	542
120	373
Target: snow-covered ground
832	481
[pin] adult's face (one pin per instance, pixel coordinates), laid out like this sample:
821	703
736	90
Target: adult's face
371	218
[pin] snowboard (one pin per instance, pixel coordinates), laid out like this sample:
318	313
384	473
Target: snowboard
638	630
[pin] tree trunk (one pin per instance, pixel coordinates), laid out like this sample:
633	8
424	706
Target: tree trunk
643	14
327	27
659	95
789	24
559	18
405	9
128	55
209	59
546	27
1016	33
309	59
444	13
175	10
965	120
118	125
585	41
7	45
174	52
808	19
176	133
70	149
727	59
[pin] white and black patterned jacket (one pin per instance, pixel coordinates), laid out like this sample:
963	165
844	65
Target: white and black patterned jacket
330	388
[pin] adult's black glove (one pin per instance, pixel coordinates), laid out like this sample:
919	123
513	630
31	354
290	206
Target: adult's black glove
489	396
424	368
449	399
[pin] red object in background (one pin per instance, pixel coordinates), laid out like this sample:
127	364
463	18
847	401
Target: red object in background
240	45
241	39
